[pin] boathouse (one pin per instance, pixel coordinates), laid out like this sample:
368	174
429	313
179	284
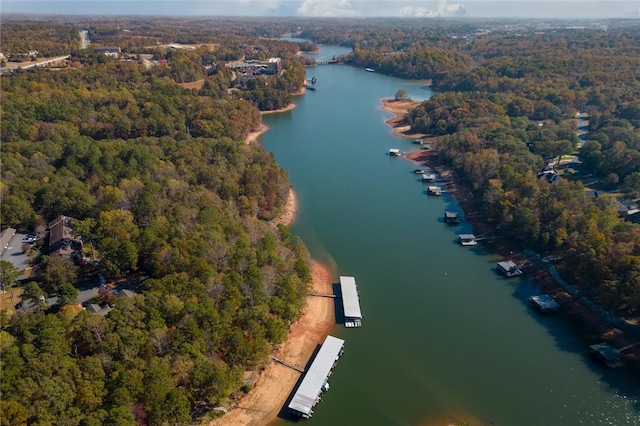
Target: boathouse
315	379
544	303
350	302
451	217
467	240
606	354
508	268
428	177
434	190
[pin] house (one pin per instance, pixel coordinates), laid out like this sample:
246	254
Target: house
62	241
550	176
111	51
451	217
508	268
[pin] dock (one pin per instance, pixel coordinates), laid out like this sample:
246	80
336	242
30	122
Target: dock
350	302
508	268
287	364
434	190
315	380
467	240
315	293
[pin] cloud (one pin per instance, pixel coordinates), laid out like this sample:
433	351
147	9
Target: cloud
444	10
327	8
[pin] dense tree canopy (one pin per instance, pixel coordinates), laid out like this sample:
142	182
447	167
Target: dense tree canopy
164	187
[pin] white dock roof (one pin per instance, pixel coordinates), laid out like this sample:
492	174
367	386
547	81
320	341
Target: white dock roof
310	387
350	300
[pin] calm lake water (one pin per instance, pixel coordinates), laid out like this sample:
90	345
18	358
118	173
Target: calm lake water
444	338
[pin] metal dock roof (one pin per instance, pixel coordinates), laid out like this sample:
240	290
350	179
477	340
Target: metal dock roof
350	300
307	394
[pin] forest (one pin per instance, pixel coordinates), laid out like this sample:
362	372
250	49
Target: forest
166	192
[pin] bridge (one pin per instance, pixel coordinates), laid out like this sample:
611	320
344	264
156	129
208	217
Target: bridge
328	62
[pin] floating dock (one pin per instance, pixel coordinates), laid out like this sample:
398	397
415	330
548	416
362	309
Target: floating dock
350	302
451	217
544	303
508	268
315	380
467	240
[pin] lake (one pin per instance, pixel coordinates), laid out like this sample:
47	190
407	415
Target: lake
445	339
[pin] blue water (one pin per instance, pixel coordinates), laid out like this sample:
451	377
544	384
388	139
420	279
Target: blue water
444	338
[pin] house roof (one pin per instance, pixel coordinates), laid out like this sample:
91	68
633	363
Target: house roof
61	237
315	377
350	298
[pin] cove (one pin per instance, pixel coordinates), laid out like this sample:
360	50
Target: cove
445	339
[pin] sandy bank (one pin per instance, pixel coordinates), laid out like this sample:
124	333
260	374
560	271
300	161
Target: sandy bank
399	125
275	383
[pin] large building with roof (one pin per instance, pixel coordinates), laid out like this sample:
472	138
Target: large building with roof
315	379
62	241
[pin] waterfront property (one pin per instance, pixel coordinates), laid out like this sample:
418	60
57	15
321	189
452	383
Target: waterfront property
467	240
434	190
315	379
544	303
350	302
394	152
508	268
606	355
451	217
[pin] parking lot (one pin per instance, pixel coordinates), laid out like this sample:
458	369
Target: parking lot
13	253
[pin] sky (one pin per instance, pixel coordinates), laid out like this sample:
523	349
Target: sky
560	9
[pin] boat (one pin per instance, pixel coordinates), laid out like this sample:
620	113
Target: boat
394	152
369	69
428	177
419	171
467	240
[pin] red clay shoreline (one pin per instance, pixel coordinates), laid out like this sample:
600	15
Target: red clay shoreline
623	336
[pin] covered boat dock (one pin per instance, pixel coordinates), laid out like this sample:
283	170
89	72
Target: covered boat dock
509	268
467	240
315	380
606	354
350	302
544	303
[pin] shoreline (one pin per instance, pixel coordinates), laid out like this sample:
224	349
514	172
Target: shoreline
273	384
537	271
253	137
397	123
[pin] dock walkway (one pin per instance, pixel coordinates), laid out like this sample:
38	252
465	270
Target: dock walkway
314	293
287	364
